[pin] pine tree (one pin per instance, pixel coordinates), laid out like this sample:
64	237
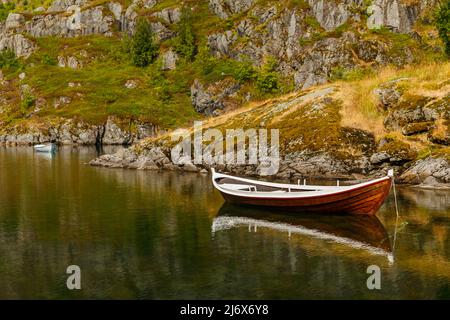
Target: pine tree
443	24
186	39
143	48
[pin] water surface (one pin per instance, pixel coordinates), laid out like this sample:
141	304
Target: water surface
161	235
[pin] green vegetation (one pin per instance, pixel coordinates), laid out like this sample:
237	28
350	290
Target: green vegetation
185	44
5	9
267	80
27	102
443	24
143	49
350	74
8	60
101	91
49	60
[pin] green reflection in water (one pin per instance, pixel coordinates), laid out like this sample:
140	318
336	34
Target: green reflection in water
153	235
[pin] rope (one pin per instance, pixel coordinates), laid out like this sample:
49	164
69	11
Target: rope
395	196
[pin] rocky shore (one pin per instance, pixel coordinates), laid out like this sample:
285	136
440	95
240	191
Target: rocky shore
337	152
69	131
430	172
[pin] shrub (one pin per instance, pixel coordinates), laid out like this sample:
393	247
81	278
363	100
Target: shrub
267	80
8	59
244	71
27	102
442	22
143	48
185	45
5	8
49	60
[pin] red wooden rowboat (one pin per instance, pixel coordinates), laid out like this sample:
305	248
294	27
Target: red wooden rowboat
364	198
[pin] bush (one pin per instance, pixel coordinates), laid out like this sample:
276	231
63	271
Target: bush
442	22
5	9
143	48
185	45
8	59
49	60
267	80
27	102
244	71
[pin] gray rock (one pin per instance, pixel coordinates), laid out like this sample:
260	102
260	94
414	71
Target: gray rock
169	15
63	5
419	171
394	14
220	43
169	60
208	102
131	84
379	157
225	8
22	46
330	14
14	21
114	135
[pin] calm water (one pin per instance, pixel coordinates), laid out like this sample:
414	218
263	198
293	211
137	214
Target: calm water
144	235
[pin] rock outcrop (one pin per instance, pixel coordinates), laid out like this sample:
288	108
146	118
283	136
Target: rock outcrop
79	132
216	97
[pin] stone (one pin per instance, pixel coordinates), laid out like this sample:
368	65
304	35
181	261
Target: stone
209	101
60	101
14	21
393	14
416	128
131	84
220	43
18	43
63	5
22	75
162	33
225	8
420	170
114	135
330	14
169	15
379	157
169	60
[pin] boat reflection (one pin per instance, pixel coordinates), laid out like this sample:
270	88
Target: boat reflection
359	232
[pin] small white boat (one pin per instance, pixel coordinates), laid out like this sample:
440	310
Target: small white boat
45	147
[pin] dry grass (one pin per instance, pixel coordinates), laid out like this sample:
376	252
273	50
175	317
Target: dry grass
360	104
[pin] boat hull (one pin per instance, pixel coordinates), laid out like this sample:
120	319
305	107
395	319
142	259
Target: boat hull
365	200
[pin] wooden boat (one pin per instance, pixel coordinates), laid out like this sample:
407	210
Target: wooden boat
361	232
363	198
45	147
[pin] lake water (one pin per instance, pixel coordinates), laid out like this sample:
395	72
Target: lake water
154	235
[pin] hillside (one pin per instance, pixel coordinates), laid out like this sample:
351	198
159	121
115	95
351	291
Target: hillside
376	68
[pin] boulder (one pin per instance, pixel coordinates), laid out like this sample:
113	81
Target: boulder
19	44
225	8
14	21
212	99
396	15
169	60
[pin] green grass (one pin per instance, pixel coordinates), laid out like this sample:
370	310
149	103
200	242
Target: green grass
102	92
